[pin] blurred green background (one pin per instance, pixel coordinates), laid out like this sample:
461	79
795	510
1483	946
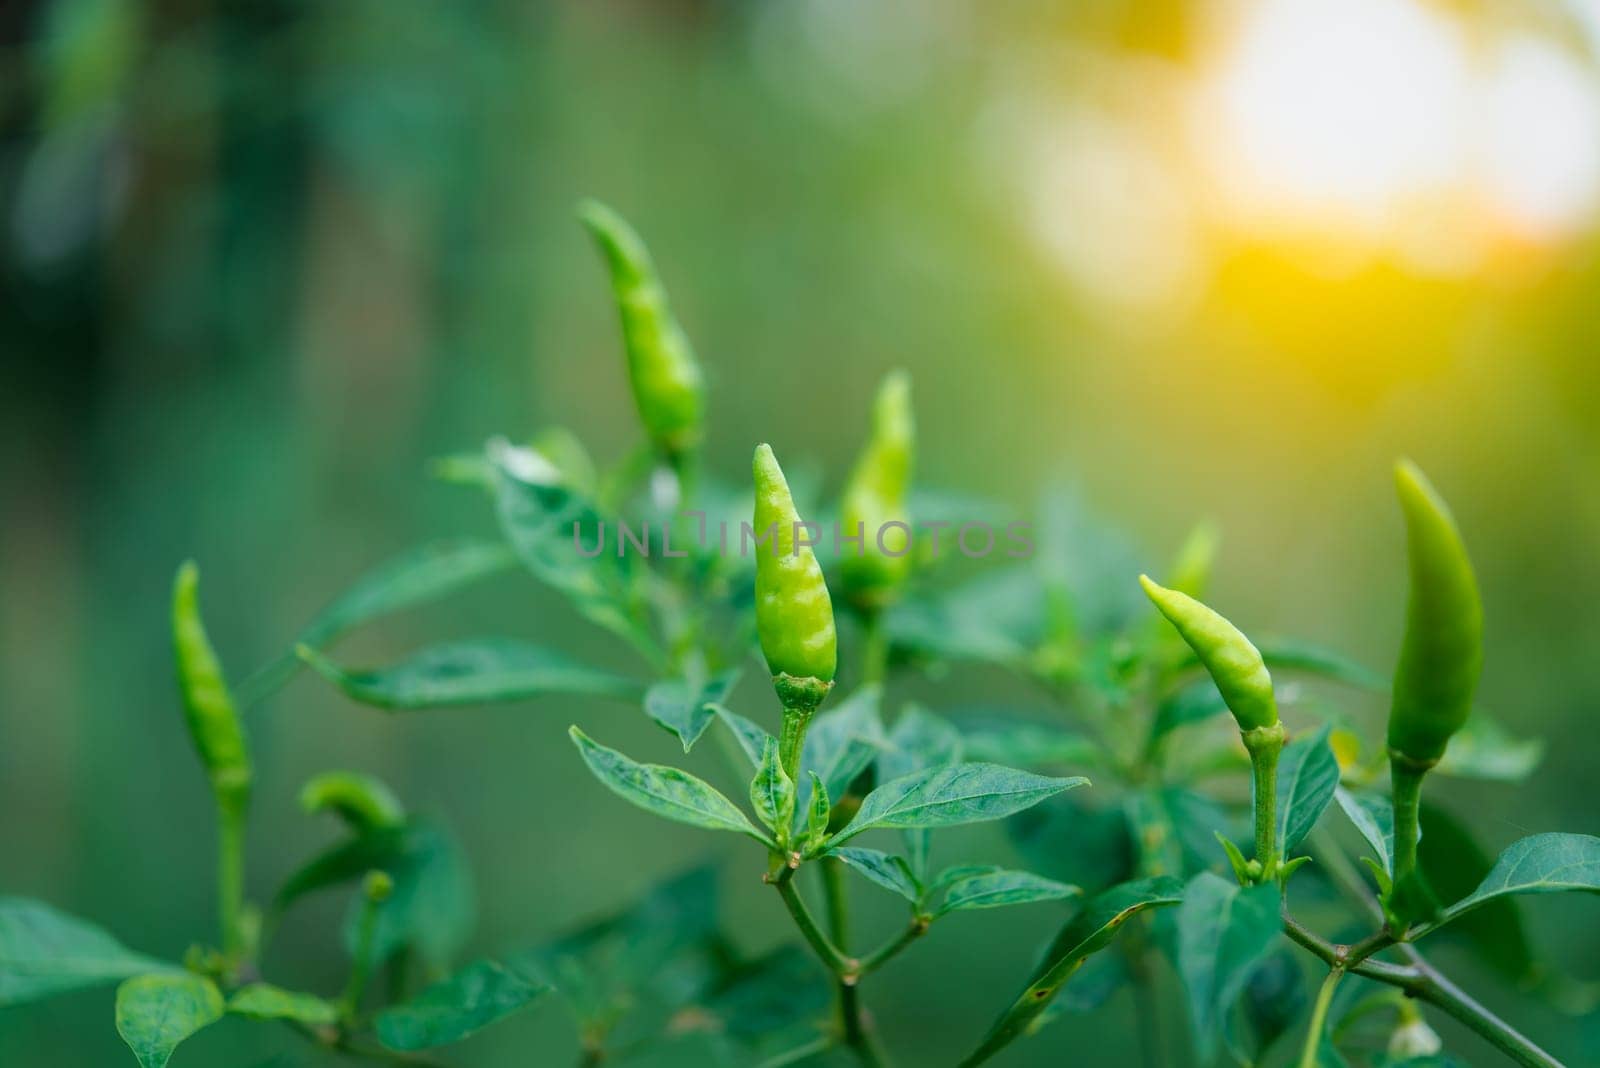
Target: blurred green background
260	262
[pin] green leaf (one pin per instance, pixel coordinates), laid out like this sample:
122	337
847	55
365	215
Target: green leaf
665	945
1088	932
667	792
432	905
1086	844
1538	864
1224	932
766	1002
1271	1006
994	618
1455	862
953	794
752	738
841	742
484	671
1291	655
417	577
263	1001
44	952
1373	816
686	708
772	794
157	1012
545	521
918	740
450	1010
1308	773
890	872
817	816
1483	749
1028	745
998	888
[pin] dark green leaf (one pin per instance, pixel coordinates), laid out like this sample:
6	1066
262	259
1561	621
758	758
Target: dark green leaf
432	905
1455	862
686	708
890	872
1373	816
157	1012
448	1011
263	1001
1308	774
840	743
995	619
998	888
752	739
772	794
952	794
471	673
44	952
1224	932
1538	864
667	792
1483	749
817	815
1090	931
1272	1003
1086	844
918	740
417	577
769	999
545	521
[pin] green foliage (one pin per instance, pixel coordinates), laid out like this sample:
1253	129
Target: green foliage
44	952
157	1012
1224	932
450	1010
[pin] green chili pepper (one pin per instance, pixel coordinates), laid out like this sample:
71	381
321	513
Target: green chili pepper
213	722
1191	568
873	506
1234	663
1442	653
1241	676
794	614
668	386
1440	659
361	801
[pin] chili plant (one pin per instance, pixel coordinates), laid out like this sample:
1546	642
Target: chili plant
1217	761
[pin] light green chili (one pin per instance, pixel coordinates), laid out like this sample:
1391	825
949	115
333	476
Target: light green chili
1440	660
668	386
213	722
1241	676
794	614
363	802
873	505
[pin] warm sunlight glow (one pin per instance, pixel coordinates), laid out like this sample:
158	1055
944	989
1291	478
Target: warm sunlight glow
1358	118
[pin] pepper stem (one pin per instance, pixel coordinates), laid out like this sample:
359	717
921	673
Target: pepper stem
1265	744
230	882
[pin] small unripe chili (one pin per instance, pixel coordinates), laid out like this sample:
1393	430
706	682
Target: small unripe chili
208	708
668	386
873	505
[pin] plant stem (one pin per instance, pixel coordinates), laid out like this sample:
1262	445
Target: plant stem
836	961
792	738
1406	780
1265	744
891	949
230	881
1319	1016
837	900
361	966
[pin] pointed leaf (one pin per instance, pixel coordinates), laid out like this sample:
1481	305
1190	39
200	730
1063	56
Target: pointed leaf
417	577
752	739
1374	818
772	794
1455	862
1308	773
918	740
263	1001
817	816
546	521
1090	931
448	1011
686	708
477	672
890	872
44	952
1538	864
157	1012
668	792
998	888
953	794
1224	931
